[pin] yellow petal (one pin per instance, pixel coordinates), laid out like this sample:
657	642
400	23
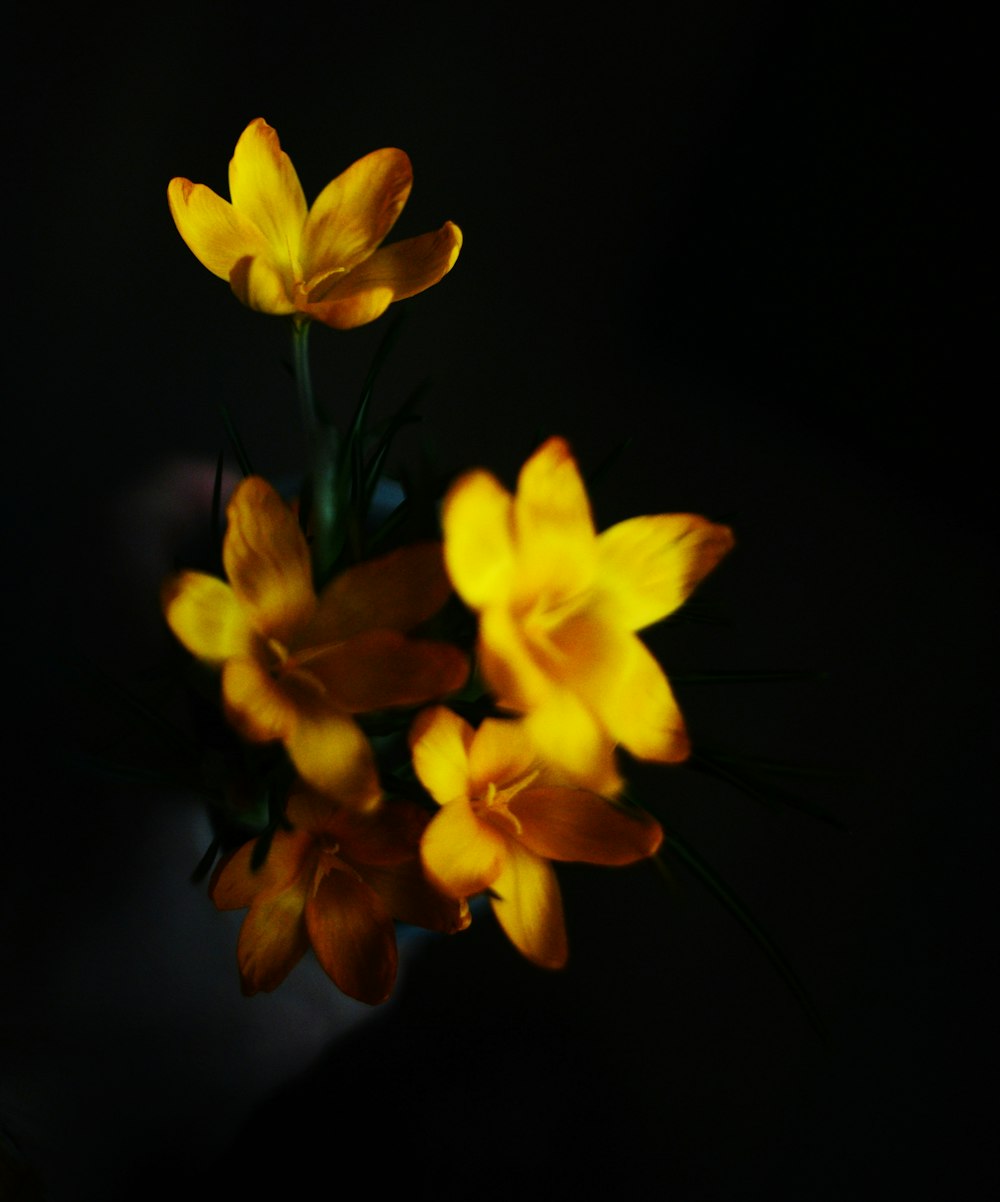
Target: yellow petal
440	742
566	732
477	518
501	753
267	561
332	755
257	706
648	566
528	905
643	715
273	937
264	187
508	663
204	613
260	285
462	854
353	936
382	668
554	530
621	683
573	824
235	884
392	273
217	235
396	592
354	213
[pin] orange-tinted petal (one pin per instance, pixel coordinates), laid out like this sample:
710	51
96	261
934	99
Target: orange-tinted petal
440	742
217	235
265	188
528	905
354	212
353	936
332	755
648	566
566	732
273	937
235	884
462	854
267	560
573	824
554	530
621	683
477	518
204	613
508	663
392	273
501	753
382	668
396	592
261	285
257	706
410	897
389	836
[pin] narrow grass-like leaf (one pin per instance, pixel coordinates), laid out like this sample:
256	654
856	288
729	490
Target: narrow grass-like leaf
143	714
242	458
596	478
772	796
129	775
403	416
204	865
216	520
702	870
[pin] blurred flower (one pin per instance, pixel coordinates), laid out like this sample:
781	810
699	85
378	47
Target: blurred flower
559	606
326	262
335	881
294	666
504	816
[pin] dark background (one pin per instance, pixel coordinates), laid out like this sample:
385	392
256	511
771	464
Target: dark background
746	236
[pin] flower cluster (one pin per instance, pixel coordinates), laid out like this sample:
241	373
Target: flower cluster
408	765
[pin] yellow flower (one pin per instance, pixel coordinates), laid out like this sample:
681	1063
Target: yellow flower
325	262
335	881
294	666
559	606
504	816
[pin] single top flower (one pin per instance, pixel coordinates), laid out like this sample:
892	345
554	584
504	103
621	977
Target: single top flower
296	667
559	606
325	262
504	816
335	881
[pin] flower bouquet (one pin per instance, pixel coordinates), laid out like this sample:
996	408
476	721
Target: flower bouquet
407	701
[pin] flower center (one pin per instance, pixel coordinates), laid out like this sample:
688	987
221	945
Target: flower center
494	805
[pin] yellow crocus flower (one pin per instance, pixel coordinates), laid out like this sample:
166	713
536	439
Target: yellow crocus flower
559	606
295	666
504	816
324	262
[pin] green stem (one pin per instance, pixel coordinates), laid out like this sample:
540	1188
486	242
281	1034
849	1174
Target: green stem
321	443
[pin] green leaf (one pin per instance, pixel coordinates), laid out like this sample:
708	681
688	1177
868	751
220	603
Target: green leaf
129	775
242	458
204	865
727	768
135	708
216	530
702	870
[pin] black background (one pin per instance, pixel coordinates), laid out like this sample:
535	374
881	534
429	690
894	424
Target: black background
747	237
